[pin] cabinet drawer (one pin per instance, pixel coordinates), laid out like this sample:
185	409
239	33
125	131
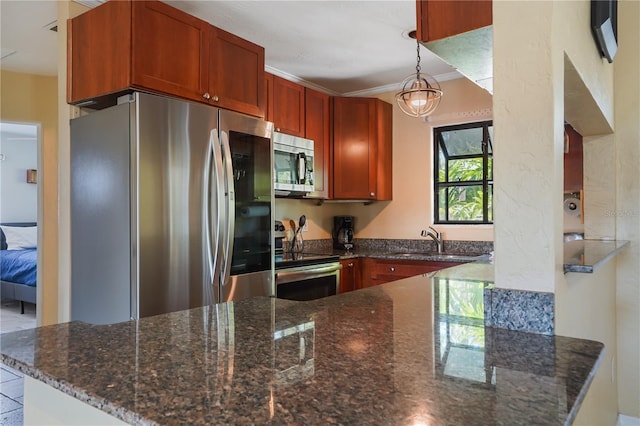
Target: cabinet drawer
391	270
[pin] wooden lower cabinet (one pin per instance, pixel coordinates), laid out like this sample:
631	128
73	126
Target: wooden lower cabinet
380	271
349	275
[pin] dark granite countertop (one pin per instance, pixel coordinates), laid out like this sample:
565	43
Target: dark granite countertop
415	351
589	255
457	257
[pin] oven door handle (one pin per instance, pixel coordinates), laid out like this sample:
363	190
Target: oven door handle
284	276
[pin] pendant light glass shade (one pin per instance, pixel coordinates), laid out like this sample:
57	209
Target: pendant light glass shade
420	94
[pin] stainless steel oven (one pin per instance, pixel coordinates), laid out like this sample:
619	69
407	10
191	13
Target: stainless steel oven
308	281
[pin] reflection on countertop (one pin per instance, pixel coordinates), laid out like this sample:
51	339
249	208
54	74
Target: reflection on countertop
415	351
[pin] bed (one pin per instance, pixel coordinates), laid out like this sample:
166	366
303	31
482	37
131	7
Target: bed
18	262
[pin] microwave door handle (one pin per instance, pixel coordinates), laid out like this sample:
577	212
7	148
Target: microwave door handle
302	167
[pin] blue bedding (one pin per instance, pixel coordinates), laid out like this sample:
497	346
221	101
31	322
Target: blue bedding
18	266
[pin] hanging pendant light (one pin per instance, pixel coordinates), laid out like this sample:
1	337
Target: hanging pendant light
420	94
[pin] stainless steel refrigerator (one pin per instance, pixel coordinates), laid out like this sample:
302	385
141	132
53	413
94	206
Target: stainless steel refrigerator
171	208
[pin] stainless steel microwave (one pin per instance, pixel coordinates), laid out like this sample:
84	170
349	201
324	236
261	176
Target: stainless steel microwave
292	165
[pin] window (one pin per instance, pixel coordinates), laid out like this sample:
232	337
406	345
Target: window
463	174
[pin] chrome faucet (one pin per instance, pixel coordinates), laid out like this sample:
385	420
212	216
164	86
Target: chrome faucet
436	236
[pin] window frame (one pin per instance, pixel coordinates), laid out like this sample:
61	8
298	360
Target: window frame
485	182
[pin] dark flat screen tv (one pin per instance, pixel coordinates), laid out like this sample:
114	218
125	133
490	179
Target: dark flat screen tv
604	26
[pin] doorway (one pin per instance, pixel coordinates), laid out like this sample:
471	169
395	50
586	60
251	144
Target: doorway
20	213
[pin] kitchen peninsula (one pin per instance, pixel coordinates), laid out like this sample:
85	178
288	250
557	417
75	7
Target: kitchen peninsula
415	351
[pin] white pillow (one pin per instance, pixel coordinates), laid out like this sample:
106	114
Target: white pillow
20	237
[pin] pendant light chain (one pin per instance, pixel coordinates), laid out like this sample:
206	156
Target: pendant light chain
420	93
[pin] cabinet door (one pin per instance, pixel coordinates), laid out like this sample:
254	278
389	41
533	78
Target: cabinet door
384	150
349	275
170	51
438	19
288	107
99	36
318	128
268	90
354	148
236	74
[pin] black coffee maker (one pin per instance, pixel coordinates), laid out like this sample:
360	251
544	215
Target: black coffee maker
343	232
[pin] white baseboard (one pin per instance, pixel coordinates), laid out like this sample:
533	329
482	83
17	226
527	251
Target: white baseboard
628	420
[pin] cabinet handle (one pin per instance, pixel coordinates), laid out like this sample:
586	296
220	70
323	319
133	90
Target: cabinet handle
277	129
392	269
350	265
206	95
215	98
373	194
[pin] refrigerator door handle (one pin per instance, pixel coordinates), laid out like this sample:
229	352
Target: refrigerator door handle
213	156
231	207
219	259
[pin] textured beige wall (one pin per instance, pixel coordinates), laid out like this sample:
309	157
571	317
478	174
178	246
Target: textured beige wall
319	217
561	64
591	110
66	10
561	52
599	165
528	120
627	207
586	308
33	99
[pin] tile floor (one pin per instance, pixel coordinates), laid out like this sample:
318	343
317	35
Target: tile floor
11	381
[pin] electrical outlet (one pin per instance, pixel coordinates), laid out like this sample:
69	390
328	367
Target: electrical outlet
305	227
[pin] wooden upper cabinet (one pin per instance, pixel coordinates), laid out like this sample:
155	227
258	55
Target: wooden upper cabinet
362	154
288	107
438	19
268	96
318	128
236	73
98	52
573	160
122	46
170	50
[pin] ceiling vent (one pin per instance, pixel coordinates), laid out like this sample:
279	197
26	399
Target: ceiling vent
52	26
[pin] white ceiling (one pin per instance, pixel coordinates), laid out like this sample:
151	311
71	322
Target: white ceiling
341	47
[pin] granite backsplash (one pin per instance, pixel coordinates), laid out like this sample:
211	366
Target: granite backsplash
397	245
